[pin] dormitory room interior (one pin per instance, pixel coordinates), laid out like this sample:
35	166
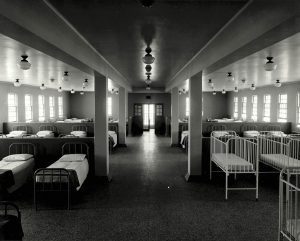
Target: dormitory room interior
150	120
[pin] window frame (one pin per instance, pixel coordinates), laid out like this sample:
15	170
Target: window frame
60	104
30	106
109	106
187	106
51	107
254	107
41	107
236	107
244	108
281	109
267	118
14	106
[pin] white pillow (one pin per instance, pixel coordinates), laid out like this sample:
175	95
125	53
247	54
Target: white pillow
220	133
17	157
72	158
17	133
111	132
79	133
44	133
277	133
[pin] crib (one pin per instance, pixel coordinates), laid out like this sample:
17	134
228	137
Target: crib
289	204
234	155
279	152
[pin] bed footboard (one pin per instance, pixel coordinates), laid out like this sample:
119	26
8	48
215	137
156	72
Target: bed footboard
52	180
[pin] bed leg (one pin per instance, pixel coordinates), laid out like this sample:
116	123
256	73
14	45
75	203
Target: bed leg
34	195
235	176
210	171
69	197
256	194
226	187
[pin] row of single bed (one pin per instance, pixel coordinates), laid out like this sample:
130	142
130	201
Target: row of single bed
235	155
50	131
66	174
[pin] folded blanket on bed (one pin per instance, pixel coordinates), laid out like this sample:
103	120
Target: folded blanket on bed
6	178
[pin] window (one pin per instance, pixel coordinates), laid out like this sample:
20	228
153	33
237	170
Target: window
28	108
187	106
282	108
236	107
267	108
60	107
12	102
51	107
41	108
244	108
109	106
254	108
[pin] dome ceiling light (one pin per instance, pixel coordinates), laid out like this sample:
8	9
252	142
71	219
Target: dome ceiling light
148	58
230	78
270	65
42	87
277	84
72	91
17	83
85	83
210	83
252	87
223	91
214	92
65	76
81	92
148	87
236	89
59	89
148	68
24	64
148	80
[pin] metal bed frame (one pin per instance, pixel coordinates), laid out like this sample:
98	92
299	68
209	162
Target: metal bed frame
54	179
273	128
240	149
48	128
115	129
80	128
20	128
22	148
289	204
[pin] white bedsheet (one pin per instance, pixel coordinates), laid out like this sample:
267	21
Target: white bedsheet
232	163
183	135
279	160
22	171
293	228
250	133
81	168
114	136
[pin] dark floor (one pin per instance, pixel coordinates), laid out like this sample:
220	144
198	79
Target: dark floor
149	199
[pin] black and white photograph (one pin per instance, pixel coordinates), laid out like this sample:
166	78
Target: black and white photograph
150	120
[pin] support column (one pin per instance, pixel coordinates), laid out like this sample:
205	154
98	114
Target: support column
195	128
122	116
101	128
174	116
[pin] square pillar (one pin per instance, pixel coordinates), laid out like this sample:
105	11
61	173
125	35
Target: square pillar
122	116
195	128
174	116
101	147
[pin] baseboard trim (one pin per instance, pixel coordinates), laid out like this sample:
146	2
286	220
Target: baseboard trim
193	178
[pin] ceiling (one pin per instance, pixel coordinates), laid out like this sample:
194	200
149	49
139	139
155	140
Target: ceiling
43	68
286	54
120	30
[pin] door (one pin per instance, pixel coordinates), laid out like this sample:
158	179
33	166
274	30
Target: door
148	116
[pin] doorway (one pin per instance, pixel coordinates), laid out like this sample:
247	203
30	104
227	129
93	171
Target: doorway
148	116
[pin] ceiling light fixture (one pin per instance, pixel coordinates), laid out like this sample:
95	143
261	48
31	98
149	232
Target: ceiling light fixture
24	64
148	87
244	81
210	83
42	87
179	92
52	80
223	91
65	76
17	83
230	78
148	80
59	89
270	65
214	92
252	87
277	84
236	89
147	3
81	92
85	83
72	91
148	68
148	58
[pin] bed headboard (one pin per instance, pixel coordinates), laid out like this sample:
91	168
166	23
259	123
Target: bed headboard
248	128
22	148
216	128
79	128
20	128
113	128
273	128
75	148
48	128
